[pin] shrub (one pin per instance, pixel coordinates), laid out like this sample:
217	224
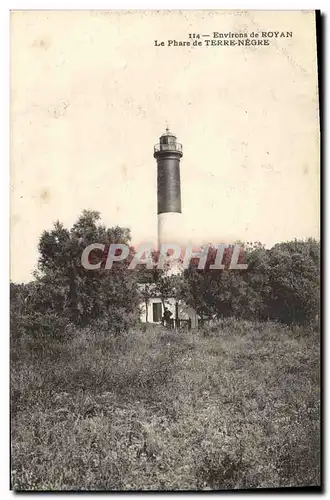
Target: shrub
36	324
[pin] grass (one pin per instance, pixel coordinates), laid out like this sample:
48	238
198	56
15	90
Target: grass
233	406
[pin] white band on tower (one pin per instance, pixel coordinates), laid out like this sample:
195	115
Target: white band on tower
169	228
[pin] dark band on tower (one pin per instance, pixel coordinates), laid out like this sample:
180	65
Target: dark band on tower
168	154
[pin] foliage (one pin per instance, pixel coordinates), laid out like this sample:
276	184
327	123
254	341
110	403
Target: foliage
281	283
62	286
294	277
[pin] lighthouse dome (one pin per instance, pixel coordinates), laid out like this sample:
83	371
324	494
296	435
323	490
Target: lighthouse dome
168	133
167	137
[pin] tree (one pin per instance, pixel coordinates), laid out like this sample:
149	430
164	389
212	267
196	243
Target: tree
281	283
211	292
294	276
80	294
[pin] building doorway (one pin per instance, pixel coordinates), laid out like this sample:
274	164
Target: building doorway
157	312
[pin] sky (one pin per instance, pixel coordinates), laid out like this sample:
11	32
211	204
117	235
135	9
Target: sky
91	94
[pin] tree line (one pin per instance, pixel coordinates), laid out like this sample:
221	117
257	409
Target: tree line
281	283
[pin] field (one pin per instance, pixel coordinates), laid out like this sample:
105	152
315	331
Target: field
233	406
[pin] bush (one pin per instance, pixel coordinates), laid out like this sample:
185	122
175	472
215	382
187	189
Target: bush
36	324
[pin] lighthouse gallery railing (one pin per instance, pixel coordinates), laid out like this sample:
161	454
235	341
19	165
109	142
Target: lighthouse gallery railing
168	147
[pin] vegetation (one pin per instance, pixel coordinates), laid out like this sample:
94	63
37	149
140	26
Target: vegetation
281	283
64	291
233	406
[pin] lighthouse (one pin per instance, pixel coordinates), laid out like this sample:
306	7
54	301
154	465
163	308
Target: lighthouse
168	153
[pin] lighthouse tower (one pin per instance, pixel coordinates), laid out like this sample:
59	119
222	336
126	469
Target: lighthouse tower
168	153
